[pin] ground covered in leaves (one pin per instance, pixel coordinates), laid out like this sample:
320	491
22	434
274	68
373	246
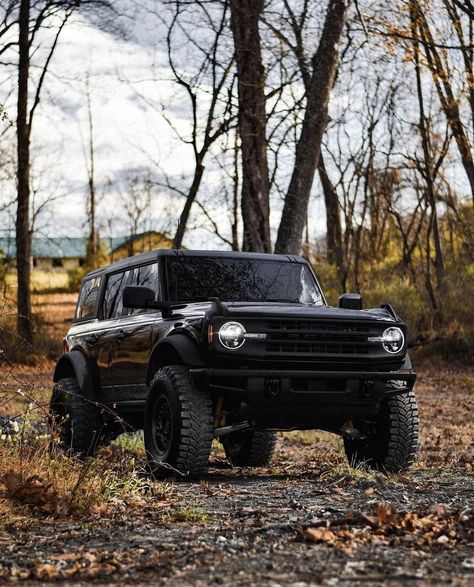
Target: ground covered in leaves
308	519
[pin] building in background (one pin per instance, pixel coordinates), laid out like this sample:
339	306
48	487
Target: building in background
65	253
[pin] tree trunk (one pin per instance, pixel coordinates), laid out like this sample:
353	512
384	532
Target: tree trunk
308	149
93	237
23	235
335	250
245	16
235	199
428	160
183	219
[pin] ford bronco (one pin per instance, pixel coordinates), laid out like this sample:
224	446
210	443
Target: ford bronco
196	345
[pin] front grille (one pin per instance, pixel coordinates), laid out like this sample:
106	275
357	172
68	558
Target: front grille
317	338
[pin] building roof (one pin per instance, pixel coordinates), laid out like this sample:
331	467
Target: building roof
48	248
61	247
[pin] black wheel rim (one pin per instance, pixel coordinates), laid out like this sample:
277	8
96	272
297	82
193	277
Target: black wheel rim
162	425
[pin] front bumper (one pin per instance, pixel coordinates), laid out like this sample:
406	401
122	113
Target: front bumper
295	399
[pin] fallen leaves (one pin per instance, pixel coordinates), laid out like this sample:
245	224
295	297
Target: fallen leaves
93	564
320	535
33	491
386	525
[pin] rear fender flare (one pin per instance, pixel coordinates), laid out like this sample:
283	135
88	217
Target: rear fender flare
178	346
83	368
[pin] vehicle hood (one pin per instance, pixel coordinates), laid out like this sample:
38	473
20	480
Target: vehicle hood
283	310
290	310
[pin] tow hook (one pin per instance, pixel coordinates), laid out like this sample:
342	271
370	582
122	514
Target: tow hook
350	433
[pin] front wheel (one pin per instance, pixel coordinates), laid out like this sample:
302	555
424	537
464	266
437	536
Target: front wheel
178	424
390	443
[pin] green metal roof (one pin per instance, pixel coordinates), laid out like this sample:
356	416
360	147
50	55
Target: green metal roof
48	248
57	248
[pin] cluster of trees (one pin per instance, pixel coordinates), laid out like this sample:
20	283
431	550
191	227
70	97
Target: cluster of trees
365	106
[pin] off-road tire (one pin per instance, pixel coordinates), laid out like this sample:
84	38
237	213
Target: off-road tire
74	420
183	447
391	443
250	448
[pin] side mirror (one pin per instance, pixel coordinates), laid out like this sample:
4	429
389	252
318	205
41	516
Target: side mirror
350	301
136	296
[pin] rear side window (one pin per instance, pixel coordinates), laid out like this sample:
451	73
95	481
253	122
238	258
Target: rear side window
112	305
88	296
146	276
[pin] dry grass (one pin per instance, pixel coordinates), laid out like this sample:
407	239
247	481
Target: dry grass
116	476
42	280
38	482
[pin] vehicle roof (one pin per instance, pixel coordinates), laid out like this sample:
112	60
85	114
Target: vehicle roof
152	255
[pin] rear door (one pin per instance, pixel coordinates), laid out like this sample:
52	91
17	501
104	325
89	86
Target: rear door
133	339
109	315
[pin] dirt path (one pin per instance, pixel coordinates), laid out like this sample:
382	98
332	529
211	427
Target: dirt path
254	530
307	520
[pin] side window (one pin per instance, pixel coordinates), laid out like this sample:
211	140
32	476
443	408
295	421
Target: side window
146	276
86	305
112	305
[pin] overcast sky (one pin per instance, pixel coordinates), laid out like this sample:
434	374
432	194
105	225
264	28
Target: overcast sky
129	135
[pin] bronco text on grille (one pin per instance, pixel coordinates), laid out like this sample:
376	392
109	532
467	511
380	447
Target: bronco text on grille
310	338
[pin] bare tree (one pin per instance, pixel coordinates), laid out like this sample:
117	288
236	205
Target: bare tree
136	202
89	158
207	83
444	88
325	63
31	18
298	23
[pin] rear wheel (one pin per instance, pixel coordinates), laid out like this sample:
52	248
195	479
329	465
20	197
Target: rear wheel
250	448
178	424
74	421
390	443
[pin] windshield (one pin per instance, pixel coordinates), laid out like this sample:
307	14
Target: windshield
240	280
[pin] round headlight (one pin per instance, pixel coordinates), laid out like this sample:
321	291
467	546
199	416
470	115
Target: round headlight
393	340
232	335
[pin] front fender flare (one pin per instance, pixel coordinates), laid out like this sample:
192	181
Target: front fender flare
178	345
77	364
407	365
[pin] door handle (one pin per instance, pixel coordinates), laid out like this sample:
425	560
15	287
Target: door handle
92	339
121	334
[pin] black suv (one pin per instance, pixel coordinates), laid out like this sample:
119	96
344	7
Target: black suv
196	345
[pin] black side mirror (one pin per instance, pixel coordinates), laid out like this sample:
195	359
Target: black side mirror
350	301
137	296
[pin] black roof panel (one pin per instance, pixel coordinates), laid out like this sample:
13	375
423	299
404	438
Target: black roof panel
152	255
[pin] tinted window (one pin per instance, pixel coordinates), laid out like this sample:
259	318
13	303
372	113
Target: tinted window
243	280
112	306
146	276
88	296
